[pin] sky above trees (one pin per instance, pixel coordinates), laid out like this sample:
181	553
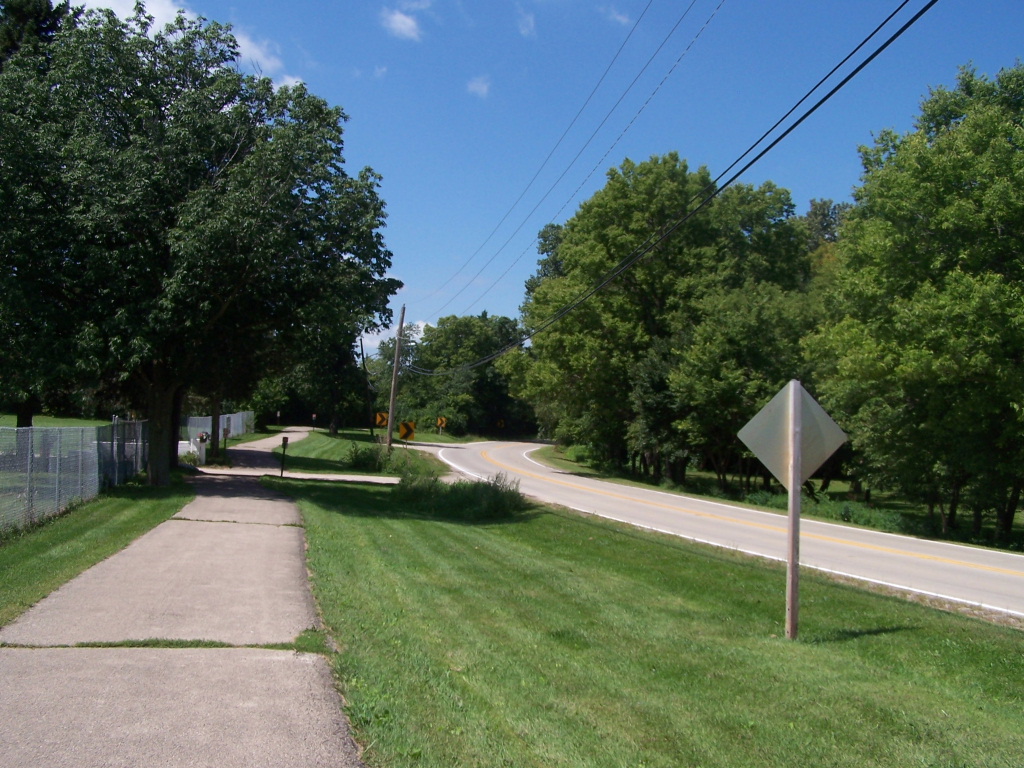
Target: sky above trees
458	105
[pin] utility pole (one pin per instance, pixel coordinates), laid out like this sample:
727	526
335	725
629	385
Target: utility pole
394	376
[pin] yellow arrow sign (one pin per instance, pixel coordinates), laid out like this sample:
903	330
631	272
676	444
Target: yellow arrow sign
407	430
442	422
382	419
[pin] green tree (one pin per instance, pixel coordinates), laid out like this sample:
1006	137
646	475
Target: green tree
441	383
550	264
34	213
601	375
744	350
201	207
31	22
923	346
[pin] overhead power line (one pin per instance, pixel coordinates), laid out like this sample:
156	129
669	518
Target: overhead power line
704	198
582	149
558	143
600	163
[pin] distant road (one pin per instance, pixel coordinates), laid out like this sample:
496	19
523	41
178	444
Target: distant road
985	578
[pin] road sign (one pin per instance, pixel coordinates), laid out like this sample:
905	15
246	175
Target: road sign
442	422
407	430
382	418
767	435
792	436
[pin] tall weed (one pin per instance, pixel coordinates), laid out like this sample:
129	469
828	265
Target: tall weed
470	501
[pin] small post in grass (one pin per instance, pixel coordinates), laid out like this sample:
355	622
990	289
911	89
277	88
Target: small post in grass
284	450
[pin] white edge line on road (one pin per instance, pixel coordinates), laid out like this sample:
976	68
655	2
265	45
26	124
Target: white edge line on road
772	515
457	468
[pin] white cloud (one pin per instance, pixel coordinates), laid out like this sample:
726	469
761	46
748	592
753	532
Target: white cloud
162	11
527	23
287	80
614	15
379	72
401	25
261	55
479	86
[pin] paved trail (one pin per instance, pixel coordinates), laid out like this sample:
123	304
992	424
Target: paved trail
228	568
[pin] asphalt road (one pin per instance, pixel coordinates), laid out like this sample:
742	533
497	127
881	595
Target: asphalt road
988	579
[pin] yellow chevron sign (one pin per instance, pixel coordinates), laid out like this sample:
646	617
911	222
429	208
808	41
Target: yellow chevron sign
407	430
382	419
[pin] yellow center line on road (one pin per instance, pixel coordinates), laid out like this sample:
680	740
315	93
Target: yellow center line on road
751	524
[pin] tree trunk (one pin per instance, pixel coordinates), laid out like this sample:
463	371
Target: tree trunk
949	523
179	404
215	407
25	410
161	394
1006	513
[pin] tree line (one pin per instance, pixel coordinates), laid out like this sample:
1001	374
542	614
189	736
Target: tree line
903	312
169	224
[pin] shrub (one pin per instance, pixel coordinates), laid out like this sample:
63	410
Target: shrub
470	501
367	458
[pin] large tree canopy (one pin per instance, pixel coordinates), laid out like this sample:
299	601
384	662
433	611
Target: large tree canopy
613	374
166	213
923	348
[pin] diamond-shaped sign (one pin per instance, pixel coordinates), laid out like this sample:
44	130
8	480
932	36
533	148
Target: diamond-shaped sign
767	435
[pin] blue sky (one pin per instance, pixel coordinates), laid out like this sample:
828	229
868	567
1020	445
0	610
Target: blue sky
458	103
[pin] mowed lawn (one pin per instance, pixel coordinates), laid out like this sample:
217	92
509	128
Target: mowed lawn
553	639
355	452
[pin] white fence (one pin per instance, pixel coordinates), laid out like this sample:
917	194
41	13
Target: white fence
44	470
236	424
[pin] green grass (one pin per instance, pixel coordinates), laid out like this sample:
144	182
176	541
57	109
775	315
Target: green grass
354	452
551	639
10	420
35	562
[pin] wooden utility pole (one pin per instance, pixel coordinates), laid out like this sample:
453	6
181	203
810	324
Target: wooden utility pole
394	376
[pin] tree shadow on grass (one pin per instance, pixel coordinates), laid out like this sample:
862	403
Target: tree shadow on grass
464	503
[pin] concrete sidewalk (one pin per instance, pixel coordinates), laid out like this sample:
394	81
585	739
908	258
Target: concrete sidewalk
229	568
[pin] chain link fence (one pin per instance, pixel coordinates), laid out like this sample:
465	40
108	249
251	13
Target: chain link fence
45	470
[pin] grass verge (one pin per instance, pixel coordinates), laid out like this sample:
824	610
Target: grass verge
10	420
35	562
547	638
354	452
